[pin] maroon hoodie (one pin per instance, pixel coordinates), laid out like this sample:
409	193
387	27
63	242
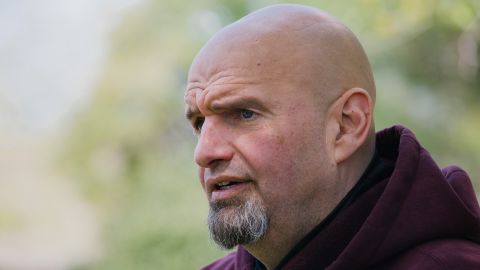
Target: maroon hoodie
419	217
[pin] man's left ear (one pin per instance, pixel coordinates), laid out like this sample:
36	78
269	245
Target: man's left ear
354	119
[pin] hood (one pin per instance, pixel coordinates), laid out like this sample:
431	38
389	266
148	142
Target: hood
420	203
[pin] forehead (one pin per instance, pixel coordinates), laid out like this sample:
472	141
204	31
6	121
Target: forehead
245	45
237	84
271	63
224	60
231	69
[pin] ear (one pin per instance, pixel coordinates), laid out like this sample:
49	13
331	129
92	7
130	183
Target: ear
353	117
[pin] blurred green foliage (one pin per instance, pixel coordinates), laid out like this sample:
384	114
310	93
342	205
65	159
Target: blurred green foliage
131	150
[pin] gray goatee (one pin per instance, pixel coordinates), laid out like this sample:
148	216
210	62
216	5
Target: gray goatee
237	222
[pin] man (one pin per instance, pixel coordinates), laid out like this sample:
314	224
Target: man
282	102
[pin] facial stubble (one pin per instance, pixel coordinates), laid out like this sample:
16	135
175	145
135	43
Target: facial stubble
236	221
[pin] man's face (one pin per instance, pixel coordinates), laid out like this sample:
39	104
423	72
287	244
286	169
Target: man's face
260	139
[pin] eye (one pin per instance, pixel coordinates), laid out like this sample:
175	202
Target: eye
198	123
247	114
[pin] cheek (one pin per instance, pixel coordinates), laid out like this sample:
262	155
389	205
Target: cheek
275	159
287	164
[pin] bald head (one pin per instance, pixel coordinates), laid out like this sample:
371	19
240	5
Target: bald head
295	43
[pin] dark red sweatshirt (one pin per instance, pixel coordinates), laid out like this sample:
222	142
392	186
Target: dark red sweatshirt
418	216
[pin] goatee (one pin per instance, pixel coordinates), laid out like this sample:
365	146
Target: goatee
235	222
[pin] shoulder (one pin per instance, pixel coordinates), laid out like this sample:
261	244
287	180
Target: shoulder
440	254
224	263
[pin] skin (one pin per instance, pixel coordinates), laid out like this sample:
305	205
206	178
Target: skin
282	102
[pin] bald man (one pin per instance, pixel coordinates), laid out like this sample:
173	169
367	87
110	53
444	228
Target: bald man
296	178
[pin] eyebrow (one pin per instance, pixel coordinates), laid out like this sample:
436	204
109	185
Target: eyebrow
237	103
231	104
190	114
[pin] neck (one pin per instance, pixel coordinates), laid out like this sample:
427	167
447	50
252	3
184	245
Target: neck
280	239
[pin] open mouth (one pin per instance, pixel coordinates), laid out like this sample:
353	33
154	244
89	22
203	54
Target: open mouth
228	188
225	185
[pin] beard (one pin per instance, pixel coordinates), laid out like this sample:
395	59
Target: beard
237	222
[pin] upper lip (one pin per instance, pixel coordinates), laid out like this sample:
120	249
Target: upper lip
212	182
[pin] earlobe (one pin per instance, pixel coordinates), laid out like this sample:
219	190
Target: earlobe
355	121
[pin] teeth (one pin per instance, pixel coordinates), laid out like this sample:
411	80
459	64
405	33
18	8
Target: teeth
224	183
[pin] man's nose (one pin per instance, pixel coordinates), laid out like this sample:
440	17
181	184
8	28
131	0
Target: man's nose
213	145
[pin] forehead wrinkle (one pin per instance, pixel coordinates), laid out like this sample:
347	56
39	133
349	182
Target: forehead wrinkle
229	94
231	74
219	75
199	96
191	89
190	94
211	96
227	80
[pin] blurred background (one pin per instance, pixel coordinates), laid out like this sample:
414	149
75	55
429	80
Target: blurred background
96	166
